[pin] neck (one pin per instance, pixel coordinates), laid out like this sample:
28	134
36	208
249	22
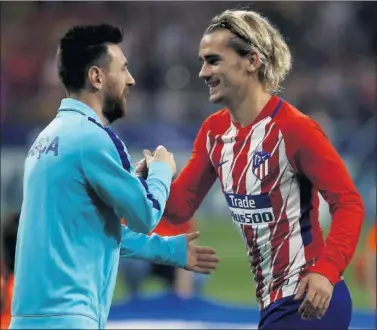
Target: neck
91	101
245	110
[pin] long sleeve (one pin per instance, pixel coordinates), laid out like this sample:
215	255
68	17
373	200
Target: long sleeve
107	168
193	183
163	250
312	154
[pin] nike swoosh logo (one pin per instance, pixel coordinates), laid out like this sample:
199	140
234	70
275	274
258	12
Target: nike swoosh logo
222	163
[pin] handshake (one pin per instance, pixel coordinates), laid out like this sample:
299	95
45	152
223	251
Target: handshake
161	154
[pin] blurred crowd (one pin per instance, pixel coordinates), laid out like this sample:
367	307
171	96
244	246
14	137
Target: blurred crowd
332	44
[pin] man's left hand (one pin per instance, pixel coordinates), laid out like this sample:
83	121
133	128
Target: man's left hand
318	296
141	168
200	259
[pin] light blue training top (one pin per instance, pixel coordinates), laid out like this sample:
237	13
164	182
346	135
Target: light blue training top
78	183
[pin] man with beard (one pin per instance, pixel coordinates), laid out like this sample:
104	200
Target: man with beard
78	184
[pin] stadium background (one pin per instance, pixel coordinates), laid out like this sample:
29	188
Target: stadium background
333	80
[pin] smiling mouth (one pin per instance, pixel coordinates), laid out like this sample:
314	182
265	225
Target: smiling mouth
212	85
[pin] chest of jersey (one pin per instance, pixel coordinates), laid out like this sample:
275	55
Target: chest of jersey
252	167
249	161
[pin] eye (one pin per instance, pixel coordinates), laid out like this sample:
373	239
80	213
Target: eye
213	61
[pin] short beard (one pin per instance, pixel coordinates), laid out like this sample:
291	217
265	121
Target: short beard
112	109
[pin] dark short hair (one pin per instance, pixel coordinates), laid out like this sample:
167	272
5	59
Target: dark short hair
80	48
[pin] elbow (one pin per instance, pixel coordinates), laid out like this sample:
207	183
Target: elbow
148	221
140	227
141	222
177	218
354	203
146	229
142	217
360	206
151	224
179	209
350	203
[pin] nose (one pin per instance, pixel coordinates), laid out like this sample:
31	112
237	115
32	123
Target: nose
205	71
130	81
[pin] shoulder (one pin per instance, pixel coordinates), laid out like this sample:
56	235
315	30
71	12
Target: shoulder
293	123
94	137
218	121
101	143
221	116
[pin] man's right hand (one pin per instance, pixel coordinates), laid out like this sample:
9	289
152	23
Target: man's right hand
200	259
161	154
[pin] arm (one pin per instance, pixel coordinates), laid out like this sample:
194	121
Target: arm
163	250
193	183
107	168
317	159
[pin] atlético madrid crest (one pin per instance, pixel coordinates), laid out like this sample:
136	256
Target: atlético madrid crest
260	164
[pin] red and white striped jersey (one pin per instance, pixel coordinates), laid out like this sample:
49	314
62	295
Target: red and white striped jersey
270	173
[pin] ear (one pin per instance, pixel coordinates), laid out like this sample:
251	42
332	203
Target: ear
95	77
253	62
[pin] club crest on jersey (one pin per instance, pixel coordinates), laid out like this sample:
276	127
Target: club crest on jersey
260	164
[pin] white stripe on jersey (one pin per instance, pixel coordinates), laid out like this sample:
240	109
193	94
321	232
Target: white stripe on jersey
239	153
267	267
284	176
227	156
296	245
208	144
251	151
253	187
289	193
210	152
253	184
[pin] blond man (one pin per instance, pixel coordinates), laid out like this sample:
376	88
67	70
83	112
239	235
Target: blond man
272	162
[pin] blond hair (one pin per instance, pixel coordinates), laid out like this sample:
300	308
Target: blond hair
253	33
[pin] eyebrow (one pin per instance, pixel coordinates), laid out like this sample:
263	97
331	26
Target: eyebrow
210	57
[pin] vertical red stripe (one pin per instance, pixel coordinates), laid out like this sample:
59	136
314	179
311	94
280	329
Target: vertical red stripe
279	230
249	232
241	150
240	161
216	147
268	145
216	157
251	237
317	243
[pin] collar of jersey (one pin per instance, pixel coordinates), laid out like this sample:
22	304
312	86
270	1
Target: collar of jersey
80	107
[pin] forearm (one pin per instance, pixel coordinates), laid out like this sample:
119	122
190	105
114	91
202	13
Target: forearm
164	250
313	156
193	182
181	204
188	191
341	242
112	177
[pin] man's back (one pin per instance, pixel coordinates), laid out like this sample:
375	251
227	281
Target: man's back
67	235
